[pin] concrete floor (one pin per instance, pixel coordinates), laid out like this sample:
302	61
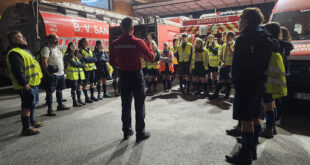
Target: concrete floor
185	130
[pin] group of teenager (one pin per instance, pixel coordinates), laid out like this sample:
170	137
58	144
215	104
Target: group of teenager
197	64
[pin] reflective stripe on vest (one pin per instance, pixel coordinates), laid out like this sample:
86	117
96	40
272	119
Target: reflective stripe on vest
162	65
204	56
276	81
75	73
89	66
227	57
184	54
32	69
154	65
214	59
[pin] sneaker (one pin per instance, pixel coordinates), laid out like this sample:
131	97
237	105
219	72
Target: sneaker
75	104
240	157
127	135
274	131
214	97
267	133
236	131
30	131
93	98
37	124
107	95
81	102
62	107
142	137
99	97
51	112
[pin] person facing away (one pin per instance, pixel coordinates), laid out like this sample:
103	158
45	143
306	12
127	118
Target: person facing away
125	54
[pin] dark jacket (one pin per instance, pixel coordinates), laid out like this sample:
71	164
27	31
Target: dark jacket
17	64
102	59
285	50
251	57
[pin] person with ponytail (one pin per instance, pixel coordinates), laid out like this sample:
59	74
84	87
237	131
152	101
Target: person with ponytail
166	67
102	69
89	70
75	73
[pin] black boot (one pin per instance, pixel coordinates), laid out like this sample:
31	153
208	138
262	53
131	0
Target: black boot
217	91
87	99
165	85
188	87
92	94
181	83
228	89
255	142
205	89
155	86
149	87
243	156
75	103
236	131
210	83
78	94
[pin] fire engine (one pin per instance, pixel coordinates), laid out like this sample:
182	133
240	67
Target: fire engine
70	22
214	23
295	15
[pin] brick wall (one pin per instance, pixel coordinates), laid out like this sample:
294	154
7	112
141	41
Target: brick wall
119	7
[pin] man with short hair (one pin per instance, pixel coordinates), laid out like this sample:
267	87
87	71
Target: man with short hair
126	53
53	65
25	73
252	52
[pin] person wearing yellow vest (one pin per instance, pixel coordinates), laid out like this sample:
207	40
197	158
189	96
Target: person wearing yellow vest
166	67
53	65
173	49
103	69
184	55
153	69
89	70
25	74
199	68
275	85
74	73
214	60
226	57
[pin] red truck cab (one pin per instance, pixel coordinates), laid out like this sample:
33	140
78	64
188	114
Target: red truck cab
295	15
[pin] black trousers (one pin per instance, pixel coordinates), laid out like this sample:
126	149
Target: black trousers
133	86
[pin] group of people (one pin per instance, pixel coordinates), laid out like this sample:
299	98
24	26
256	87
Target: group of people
253	65
81	66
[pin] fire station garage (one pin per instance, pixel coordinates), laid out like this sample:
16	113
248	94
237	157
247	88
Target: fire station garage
147	82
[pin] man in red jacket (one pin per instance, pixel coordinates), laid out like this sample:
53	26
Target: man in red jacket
126	53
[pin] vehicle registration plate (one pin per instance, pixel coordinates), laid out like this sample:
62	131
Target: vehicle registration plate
305	96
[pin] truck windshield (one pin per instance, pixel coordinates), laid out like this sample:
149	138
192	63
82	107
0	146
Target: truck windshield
297	22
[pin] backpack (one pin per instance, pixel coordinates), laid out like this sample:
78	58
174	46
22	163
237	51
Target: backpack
38	53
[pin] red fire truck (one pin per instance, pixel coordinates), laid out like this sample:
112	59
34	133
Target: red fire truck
212	23
162	30
70	22
295	15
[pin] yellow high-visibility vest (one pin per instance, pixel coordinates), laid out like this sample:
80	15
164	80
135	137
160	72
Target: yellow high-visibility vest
204	56
32	69
175	60
184	54
214	59
74	73
276	81
89	66
154	65
143	62
227	57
